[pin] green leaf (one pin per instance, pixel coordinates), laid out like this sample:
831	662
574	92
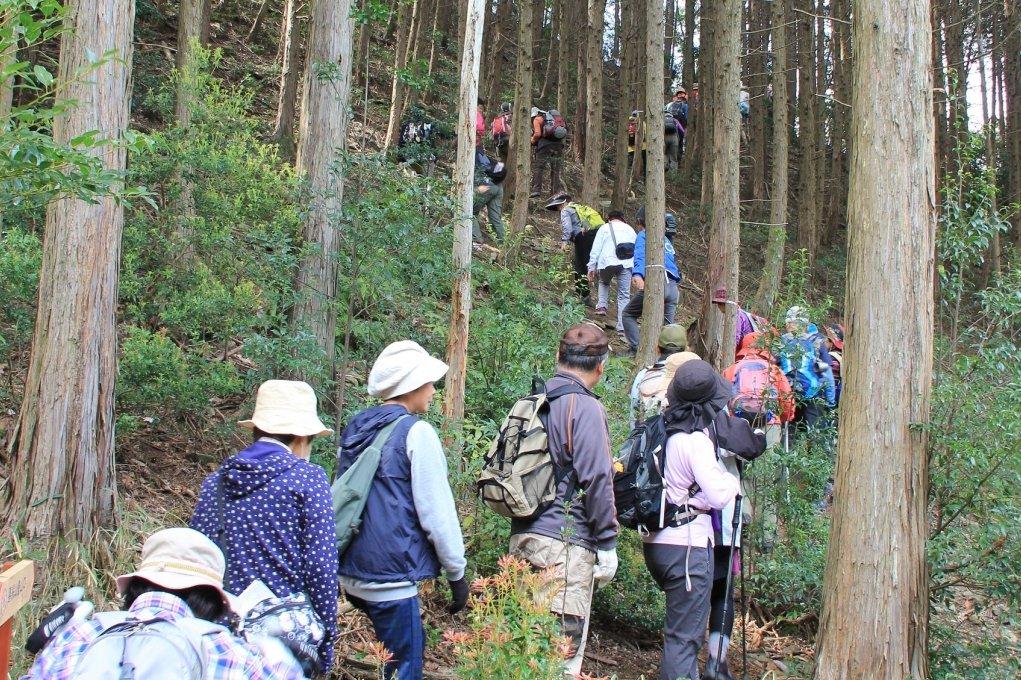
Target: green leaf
42	75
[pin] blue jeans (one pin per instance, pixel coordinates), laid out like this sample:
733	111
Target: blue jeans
398	625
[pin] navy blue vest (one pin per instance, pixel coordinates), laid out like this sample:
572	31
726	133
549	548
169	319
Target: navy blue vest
391	545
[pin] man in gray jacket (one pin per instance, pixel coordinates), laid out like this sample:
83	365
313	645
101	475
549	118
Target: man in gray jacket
577	535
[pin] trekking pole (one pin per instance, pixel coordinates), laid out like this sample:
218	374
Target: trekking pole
727	600
744	617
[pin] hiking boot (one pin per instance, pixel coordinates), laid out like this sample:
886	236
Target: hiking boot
600	311
714	672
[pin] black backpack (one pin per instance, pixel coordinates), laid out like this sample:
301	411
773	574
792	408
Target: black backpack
639	490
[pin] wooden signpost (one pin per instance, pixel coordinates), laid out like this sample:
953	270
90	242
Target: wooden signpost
16	580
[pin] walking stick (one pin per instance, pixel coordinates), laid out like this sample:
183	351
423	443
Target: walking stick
734	526
744	620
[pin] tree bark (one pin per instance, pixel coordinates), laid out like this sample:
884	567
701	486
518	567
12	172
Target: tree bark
808	200
1012	76
579	137
875	610
716	329
464	190
498	60
521	133
552	52
322	140
772	270
669	36
287	98
625	98
655	189
405	21
564	62
61	457
756	82
688	56
191	28
841	34
594	87
707	104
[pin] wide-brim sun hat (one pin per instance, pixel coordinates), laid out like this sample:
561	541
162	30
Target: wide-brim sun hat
670	366
179	559
558	200
403	367
286	407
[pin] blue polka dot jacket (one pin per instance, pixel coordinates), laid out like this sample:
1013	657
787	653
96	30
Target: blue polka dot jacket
271	513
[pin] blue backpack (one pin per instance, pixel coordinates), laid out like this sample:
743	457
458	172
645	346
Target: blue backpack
799	361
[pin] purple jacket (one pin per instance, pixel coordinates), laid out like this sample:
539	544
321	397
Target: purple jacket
277	516
593	516
743	326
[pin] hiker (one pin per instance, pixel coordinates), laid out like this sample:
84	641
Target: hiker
177	590
647	385
673	136
632	135
633	311
489	195
835	346
410	530
744	104
678	108
414	143
269	509
549	130
744	321
579	543
762	393
807	364
501	128
612	259
680	556
480	133
578	225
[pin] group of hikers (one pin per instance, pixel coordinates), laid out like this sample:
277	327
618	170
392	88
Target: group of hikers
251	589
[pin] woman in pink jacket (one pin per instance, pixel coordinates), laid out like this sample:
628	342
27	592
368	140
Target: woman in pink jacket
680	556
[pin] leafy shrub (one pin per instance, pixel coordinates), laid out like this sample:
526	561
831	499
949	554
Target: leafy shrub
20	256
155	375
512	632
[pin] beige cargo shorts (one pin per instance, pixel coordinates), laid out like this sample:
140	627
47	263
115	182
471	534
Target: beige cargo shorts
570	589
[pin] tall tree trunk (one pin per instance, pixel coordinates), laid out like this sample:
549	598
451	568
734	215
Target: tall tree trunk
841	33
564	62
992	260
581	123
688	82
769	284
191	27
957	68
716	329
1012	76
552	52
875	612
61	457
822	86
707	104
594	88
625	97
464	190
756	82
499	62
808	221
521	132
287	99
406	13
941	144
655	188
669	37
322	137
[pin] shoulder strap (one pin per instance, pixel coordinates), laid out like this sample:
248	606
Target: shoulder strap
383	436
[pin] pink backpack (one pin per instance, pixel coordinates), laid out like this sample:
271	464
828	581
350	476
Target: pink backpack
754	391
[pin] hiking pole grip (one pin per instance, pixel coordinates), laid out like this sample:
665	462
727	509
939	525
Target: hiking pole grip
734	525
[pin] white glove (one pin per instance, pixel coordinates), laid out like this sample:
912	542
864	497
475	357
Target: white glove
606	567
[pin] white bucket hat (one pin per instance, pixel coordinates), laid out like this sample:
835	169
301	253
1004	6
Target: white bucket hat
403	367
177	559
286	407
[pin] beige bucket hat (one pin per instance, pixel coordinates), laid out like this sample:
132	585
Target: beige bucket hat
670	366
177	559
403	367
286	407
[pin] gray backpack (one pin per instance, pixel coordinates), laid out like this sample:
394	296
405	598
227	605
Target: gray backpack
154	649
350	491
